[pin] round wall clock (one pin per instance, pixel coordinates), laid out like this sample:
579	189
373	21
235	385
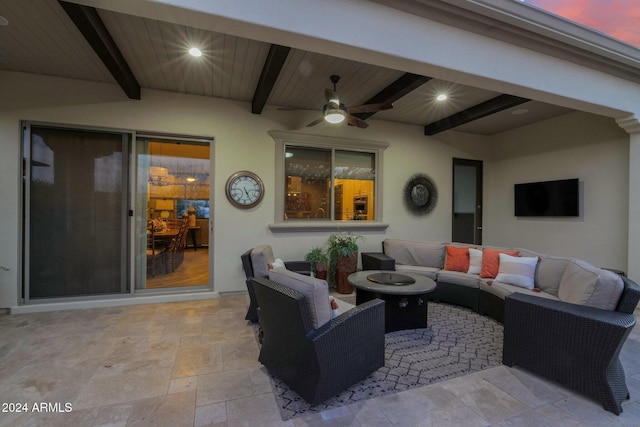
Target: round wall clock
244	189
420	194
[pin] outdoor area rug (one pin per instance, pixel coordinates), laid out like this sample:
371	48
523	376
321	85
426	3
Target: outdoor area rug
457	342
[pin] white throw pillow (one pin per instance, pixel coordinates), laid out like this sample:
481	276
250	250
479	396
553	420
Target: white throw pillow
517	271
475	261
278	263
335	312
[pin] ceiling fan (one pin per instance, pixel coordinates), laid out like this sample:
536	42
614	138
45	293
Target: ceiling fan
336	112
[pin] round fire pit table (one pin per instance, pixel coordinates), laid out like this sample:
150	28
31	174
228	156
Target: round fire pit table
405	296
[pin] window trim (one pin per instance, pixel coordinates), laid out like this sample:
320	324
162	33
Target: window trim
283	138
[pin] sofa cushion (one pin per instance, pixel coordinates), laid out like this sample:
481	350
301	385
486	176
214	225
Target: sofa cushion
491	261
501	290
408	252
315	291
475	261
459	278
457	258
517	271
429	272
527	253
261	257
549	273
587	285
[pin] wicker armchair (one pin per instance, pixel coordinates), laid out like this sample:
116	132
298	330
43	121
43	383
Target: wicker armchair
318	363
254	264
574	345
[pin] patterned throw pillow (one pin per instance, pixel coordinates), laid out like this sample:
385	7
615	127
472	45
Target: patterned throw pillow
517	271
457	258
491	261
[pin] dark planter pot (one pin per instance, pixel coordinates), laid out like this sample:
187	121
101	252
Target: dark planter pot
321	270
344	267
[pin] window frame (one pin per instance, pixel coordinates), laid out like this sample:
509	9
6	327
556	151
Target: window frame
283	139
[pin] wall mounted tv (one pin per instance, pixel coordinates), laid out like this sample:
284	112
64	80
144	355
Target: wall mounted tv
201	207
548	198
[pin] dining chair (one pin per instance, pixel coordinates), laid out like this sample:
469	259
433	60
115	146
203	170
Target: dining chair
175	250
155	253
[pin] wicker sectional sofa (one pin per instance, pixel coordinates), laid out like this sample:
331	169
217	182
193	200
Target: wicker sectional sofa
563	318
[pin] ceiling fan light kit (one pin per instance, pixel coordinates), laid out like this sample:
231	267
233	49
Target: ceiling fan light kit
334	115
335	112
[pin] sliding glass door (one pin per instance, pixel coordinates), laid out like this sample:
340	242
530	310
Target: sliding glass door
75	231
172	213
97	223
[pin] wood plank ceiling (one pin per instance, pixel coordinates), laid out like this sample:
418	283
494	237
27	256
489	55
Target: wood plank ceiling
137	52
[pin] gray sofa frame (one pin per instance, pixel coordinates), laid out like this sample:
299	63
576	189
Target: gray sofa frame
317	363
574	345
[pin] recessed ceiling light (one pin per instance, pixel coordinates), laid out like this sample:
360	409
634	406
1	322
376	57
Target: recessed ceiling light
3	21
441	97
519	111
194	51
191	179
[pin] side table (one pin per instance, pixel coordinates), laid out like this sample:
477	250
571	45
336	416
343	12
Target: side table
377	261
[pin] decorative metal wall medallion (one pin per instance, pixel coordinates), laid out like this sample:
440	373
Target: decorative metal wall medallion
420	194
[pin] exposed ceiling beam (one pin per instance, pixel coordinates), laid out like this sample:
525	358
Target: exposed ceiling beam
94	31
492	106
272	66
396	90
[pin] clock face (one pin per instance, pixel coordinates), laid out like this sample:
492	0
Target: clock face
245	189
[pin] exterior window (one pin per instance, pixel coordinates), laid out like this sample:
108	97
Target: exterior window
308	183
354	186
326	184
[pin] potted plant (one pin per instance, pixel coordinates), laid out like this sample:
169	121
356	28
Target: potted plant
343	256
319	262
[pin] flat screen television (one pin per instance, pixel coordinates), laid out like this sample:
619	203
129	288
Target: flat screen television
548	198
201	207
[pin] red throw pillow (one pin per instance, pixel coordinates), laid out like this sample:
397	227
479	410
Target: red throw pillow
457	258
491	261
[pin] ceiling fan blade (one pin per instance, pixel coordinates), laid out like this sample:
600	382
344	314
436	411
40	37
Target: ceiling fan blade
354	121
369	108
315	122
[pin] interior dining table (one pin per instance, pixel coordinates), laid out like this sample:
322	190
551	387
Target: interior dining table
165	235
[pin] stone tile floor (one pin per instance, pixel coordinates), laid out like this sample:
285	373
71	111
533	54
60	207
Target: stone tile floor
195	364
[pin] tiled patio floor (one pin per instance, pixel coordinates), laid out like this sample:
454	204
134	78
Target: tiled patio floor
195	364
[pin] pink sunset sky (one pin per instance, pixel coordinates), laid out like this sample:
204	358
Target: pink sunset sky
616	18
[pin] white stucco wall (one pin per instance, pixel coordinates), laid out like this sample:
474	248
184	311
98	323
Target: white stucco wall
634	207
242	142
581	145
577	145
